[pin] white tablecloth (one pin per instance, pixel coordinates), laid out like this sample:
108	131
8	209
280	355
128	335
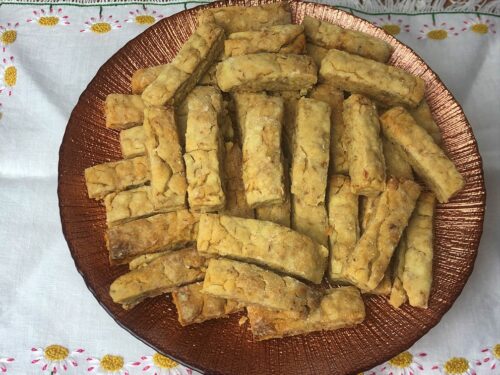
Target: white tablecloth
43	299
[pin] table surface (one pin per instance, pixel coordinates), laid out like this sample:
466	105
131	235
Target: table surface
43	70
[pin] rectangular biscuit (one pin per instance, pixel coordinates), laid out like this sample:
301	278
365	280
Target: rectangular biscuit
339	308
106	178
417	272
132	142
427	159
252	285
370	258
162	232
266	71
344	224
386	84
162	275
168	175
179	77
123	111
364	146
195	307
238	18
274	39
328	35
203	156
338	146
310	169
129	205
264	243
236	204
262	159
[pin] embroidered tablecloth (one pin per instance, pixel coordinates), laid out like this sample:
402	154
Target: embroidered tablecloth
49	322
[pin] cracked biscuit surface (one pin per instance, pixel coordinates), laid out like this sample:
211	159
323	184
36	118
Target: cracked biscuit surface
266	71
235	18
262	158
195	307
161	275
168	175
250	284
203	156
168	231
338	308
179	77
344	224
102	179
264	243
275	39
364	146
427	159
132	142
123	111
370	258
386	84
328	35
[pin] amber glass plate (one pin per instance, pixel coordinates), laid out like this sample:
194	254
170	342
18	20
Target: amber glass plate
222	346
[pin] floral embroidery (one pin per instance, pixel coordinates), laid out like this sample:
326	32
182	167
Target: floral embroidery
108	364
158	364
8	75
476	25
100	25
455	366
8	34
437	32
144	17
403	364
55	358
492	357
6	360
50	18
390	26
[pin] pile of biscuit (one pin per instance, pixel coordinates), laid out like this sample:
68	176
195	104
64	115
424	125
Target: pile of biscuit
267	158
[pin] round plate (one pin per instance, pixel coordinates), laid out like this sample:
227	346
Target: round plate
222	346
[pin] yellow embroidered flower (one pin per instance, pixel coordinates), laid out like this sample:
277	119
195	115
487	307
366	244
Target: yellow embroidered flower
50	18
456	366
108	364
55	358
403	364
437	32
158	364
100	25
8	34
144	17
492	357
478	26
392	26
8	75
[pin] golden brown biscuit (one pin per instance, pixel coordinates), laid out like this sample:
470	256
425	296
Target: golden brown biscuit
427	159
364	146
116	176
339	308
264	243
386	84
